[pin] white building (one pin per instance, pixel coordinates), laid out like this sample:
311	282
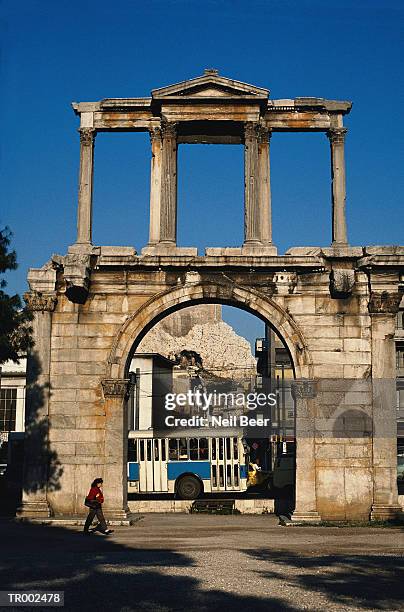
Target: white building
12	406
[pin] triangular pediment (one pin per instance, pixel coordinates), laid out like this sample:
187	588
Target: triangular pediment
210	85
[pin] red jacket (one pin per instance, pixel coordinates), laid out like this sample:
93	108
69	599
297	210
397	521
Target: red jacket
95	494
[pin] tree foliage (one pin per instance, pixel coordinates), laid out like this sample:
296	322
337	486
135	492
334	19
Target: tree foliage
15	331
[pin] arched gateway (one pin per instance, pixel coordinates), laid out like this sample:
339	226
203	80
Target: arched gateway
334	308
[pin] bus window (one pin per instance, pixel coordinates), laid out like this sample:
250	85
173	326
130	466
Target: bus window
183	449
148	443
213	449
228	475
221	476
163	450
141	450
132	450
235	448
228	456
156	450
220	448
214	476
193	449
173	449
203	449
236	480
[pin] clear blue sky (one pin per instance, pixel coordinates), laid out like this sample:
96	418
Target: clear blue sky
57	52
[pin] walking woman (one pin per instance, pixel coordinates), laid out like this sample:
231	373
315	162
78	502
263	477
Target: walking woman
94	501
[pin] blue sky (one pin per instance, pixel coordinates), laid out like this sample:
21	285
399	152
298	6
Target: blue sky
57	52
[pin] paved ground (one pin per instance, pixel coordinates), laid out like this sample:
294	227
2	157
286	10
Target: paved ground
208	563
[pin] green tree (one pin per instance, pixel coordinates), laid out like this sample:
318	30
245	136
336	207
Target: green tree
15	331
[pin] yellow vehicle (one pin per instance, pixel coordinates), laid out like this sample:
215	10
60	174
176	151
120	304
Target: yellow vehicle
282	476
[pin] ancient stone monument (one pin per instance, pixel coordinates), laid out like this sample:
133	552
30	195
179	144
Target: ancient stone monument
333	307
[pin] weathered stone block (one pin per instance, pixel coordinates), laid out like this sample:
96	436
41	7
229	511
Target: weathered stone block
92	449
93	368
327	450
58	421
63	367
90	422
76	435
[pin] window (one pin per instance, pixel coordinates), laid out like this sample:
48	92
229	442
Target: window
8	408
132	450
400	319
400	357
173	449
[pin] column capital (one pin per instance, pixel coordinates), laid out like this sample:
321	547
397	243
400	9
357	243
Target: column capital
87	136
155	133
115	387
304	389
169	129
337	135
385	302
37	302
264	134
251	130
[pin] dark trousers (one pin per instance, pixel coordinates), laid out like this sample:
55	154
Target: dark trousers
102	525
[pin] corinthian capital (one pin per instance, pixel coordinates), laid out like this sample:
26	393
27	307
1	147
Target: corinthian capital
337	135
251	130
385	302
169	129
155	133
40	301
115	387
87	136
264	134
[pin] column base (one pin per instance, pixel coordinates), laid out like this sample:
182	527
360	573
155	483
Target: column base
381	512
34	510
304	518
260	250
169	250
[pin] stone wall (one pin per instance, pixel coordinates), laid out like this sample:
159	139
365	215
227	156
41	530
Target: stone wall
342	350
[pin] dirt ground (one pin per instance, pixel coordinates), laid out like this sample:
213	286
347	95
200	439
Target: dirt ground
208	563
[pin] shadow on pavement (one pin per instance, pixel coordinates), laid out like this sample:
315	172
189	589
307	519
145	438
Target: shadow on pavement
375	582
98	573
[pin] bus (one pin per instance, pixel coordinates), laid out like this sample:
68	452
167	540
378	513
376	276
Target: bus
186	466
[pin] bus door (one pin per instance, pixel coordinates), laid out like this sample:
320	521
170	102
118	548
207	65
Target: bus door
225	464
160	465
152	465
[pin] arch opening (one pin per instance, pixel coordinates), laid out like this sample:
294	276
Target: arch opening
235	459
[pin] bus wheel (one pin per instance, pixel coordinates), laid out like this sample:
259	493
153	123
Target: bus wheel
189	487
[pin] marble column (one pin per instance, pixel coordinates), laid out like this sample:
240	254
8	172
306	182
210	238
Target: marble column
304	392
264	194
339	230
251	186
84	215
41	468
383	308
155	184
168	207
116	448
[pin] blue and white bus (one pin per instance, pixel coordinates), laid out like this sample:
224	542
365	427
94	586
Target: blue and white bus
186	466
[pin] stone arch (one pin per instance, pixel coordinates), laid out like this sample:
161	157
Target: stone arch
197	292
